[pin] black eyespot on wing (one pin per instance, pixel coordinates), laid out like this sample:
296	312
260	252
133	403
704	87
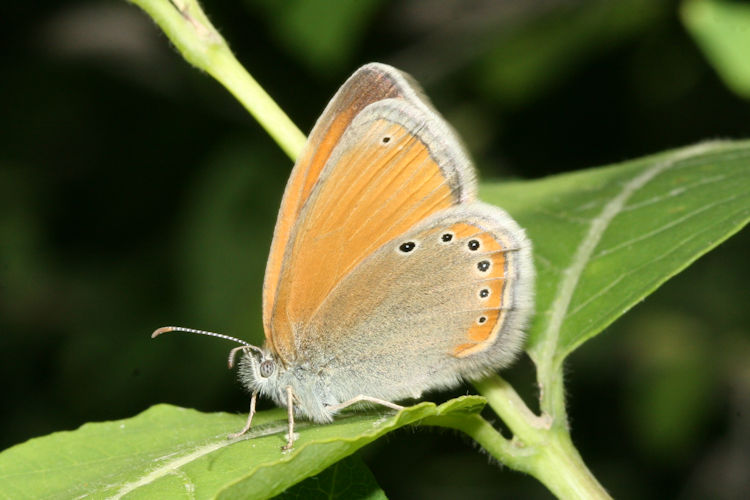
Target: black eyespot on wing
446	237
386	139
483	265
473	245
407	247
481	319
484	293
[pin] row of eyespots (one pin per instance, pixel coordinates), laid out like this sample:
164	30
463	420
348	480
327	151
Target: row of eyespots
445	238
482	265
473	245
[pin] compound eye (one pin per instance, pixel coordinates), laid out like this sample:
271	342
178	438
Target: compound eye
266	368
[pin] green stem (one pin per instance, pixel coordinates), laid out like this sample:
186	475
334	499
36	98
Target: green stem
511	408
481	431
552	397
550	457
560	467
201	45
542	445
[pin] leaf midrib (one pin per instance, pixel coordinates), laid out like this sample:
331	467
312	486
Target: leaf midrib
547	353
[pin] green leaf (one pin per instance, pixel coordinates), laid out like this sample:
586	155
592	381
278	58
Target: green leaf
605	238
722	31
349	479
168	452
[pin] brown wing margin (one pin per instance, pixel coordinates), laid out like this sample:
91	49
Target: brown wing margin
369	84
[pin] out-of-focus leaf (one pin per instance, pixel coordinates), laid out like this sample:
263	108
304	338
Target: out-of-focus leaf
228	217
321	33
722	30
348	479
672	379
535	56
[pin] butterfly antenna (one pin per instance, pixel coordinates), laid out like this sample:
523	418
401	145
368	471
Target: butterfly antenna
244	347
167	329
233	353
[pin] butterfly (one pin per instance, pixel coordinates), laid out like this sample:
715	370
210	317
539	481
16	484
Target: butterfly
386	276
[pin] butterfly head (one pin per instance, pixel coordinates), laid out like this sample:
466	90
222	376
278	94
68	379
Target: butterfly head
259	369
262	371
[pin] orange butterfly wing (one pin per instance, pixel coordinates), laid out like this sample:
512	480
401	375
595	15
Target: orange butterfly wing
387	166
369	84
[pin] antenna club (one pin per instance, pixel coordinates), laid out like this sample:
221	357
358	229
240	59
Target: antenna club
163	329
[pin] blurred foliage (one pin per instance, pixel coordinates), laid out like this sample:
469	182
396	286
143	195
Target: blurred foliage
529	57
134	192
722	30
348	479
323	35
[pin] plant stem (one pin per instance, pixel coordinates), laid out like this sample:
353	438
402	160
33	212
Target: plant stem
561	468
553	403
542	444
201	45
510	407
481	431
552	459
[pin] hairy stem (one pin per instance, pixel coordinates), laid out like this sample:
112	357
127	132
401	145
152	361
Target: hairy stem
542	444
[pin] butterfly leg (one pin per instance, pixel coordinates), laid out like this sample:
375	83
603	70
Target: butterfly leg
362	397
249	417
290	414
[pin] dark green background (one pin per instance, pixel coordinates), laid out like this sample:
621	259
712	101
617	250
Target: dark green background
135	192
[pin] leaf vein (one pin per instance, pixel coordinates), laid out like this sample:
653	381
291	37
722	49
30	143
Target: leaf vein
571	276
663	228
636	269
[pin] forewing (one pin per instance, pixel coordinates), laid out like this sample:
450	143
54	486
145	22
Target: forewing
369	84
395	165
404	321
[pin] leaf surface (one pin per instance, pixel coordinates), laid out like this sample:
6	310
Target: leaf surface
605	238
722	30
171	452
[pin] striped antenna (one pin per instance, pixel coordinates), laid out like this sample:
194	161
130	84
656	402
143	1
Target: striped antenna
245	346
167	329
